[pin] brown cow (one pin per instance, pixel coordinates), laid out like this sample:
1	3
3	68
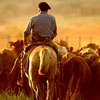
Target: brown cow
89	53
95	87
7	58
92	92
75	75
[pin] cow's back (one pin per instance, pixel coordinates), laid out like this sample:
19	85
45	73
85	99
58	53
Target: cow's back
7	58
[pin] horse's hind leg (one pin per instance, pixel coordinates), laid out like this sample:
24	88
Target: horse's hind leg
40	91
50	89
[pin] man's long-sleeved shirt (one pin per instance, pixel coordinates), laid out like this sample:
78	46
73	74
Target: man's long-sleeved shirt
42	25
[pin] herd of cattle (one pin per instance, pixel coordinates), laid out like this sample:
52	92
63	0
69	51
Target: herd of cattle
78	75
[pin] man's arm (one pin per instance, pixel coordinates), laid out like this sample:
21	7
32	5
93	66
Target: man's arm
55	28
28	28
27	31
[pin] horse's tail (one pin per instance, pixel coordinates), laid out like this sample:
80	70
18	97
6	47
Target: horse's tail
44	61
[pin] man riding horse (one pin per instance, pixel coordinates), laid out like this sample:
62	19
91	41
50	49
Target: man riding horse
44	29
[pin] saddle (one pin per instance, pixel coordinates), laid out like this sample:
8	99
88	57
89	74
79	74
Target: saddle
35	44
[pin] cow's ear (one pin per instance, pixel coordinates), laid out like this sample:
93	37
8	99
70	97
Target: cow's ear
11	45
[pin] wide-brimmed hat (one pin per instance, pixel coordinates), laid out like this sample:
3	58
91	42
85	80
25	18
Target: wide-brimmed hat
44	6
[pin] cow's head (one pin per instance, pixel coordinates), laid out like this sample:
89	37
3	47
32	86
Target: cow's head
61	43
16	46
92	46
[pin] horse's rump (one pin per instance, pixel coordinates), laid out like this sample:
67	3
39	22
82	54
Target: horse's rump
42	60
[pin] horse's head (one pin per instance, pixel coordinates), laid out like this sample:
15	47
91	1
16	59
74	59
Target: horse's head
16	46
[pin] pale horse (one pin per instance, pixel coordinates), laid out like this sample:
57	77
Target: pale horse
42	72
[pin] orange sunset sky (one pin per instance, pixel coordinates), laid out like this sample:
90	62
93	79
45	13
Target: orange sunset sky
75	19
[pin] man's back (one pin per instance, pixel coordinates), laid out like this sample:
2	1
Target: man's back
43	25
